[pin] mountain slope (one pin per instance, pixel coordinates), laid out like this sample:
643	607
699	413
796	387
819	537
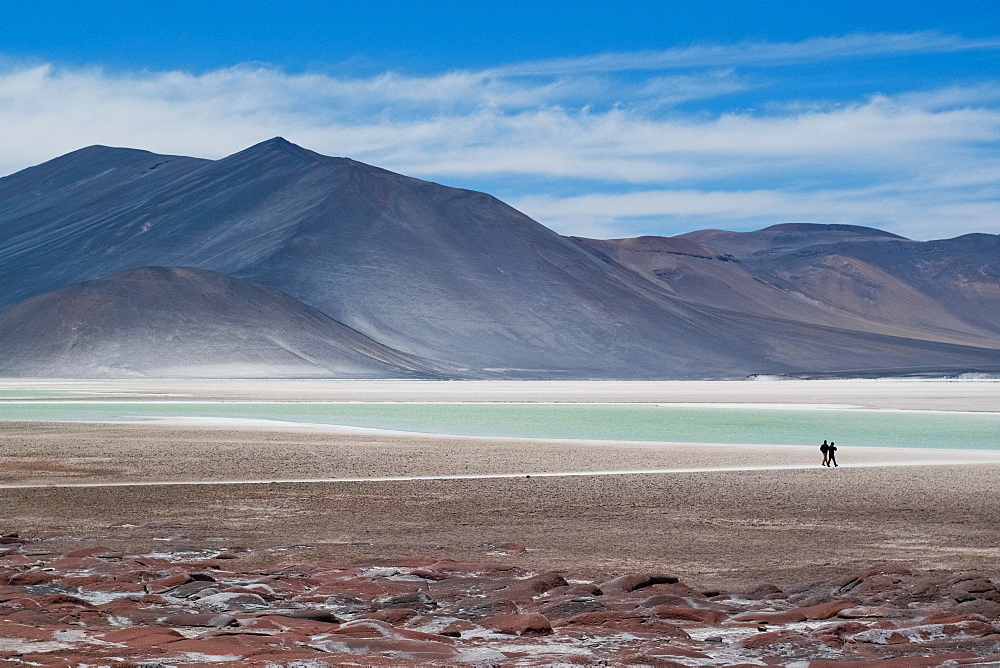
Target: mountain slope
182	322
806	282
448	274
961	276
453	277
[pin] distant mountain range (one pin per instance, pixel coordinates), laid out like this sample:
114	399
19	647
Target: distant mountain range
280	262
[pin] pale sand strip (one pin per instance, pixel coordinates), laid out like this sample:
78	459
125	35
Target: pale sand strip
491	476
949	395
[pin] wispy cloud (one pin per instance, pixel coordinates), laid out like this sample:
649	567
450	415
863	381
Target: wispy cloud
615	156
754	53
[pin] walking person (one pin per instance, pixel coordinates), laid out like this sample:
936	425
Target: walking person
832	455
824	449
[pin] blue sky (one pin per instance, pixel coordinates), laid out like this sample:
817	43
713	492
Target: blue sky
599	120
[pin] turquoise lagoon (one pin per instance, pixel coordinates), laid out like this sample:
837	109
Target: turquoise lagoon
625	422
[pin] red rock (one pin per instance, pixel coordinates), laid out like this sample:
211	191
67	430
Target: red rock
769	639
944	617
313	614
645	659
524	624
142	637
672	589
31	578
710	617
232	602
969	629
469	567
166	584
980	606
411	600
20	604
570	607
68	564
627	621
63	599
457	628
403	652
232	646
263	591
817	612
539	584
16	560
374	637
477	608
429	574
506	549
824	610
884	569
306	627
78	581
664	599
189	588
899	662
370	628
365	588
872	612
300	656
415	562
626	583
25	631
676	650
115	587
582	589
392	615
99	552
33	617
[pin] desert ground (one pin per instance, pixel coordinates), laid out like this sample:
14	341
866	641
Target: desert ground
718	515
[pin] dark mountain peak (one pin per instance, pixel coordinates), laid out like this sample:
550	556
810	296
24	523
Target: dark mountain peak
276	148
102	150
86	160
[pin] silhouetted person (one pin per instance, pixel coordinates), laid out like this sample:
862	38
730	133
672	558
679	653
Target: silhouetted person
824	449
831	457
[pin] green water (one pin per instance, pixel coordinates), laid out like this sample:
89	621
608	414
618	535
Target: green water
629	422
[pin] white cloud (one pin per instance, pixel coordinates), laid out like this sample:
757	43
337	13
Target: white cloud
755	53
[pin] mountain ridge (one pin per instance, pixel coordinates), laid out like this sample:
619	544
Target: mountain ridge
461	280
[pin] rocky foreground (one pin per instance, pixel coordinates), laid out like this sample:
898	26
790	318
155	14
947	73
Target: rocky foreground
188	606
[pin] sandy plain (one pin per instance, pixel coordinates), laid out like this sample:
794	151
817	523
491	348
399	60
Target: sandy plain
762	522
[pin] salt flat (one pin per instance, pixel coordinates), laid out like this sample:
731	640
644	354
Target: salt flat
903	394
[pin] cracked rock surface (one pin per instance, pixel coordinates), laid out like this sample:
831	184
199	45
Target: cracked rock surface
100	607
